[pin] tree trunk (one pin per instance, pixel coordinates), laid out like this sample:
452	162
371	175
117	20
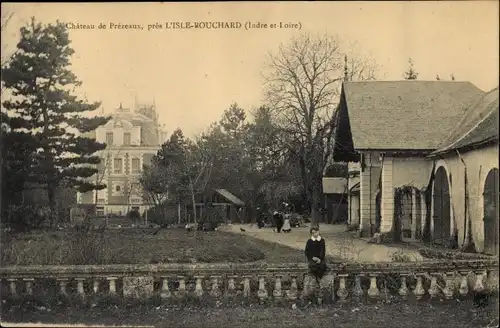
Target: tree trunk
165	212
315	203
178	212
51	196
194	205
96	195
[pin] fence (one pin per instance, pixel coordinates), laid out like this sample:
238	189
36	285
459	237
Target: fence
435	279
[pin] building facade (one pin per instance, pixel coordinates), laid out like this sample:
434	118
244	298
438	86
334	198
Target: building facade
132	137
423	160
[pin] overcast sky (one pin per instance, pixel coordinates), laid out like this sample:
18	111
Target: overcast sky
194	75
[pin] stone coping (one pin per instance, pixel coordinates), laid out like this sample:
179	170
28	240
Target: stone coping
179	269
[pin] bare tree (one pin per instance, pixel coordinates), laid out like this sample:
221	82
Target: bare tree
303	81
196	170
103	172
4	21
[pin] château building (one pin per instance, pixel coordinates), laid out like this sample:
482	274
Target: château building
133	137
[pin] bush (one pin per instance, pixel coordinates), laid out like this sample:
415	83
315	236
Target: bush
25	217
88	245
449	255
212	218
81	245
400	256
134	215
353	227
164	215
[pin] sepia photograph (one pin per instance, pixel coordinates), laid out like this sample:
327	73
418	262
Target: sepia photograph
250	164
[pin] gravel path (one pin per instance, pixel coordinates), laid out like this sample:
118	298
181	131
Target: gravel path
339	243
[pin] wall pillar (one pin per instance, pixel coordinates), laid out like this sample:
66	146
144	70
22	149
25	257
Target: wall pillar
414	213
355	209
423	213
387	199
365	200
350	209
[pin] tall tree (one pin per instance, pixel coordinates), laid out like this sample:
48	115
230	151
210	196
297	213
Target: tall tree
410	74
181	168
45	110
302	87
225	141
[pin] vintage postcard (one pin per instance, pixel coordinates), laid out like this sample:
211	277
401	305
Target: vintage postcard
250	164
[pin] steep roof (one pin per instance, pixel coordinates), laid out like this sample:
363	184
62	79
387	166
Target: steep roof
478	125
230	197
405	115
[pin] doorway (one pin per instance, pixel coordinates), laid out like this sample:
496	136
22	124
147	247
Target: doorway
442	216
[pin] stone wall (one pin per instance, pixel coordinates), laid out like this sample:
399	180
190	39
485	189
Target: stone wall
479	163
259	282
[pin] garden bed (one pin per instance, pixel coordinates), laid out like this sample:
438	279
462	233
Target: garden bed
441	254
140	246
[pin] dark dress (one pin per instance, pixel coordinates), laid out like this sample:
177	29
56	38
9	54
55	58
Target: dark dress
278	219
315	248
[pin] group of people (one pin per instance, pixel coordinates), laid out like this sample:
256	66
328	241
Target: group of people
282	222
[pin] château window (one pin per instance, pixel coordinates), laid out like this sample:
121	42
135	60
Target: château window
136	165
109	138
126	139
118	165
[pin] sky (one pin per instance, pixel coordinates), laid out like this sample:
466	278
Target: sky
193	75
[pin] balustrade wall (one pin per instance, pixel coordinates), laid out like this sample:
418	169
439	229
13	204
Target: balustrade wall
436	279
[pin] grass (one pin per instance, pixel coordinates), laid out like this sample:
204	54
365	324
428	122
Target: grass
140	246
458	314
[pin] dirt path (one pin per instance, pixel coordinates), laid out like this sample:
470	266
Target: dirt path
338	242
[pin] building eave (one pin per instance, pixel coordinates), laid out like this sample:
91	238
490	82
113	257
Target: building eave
474	146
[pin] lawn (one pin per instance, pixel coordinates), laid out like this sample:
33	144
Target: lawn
140	246
405	314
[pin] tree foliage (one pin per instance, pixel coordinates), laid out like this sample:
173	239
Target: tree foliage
44	114
181	168
410	74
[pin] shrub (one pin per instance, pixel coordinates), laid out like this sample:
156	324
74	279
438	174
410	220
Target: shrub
212	218
25	217
134	215
353	227
81	245
88	246
164	215
400	256
449	255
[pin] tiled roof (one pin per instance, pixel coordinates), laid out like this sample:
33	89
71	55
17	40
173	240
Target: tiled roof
230	197
479	124
406	115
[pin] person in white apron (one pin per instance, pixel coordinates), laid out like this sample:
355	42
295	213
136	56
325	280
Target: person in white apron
286	225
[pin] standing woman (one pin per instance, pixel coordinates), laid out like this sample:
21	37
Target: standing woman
286	225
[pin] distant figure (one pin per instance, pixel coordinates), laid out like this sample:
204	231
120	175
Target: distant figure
315	254
278	219
260	222
242	230
286	225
